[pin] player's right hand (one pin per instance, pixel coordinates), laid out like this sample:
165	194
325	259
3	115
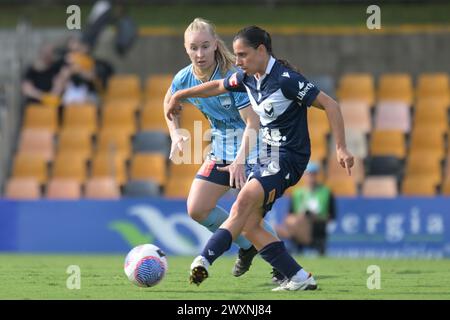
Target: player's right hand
173	107
177	143
237	174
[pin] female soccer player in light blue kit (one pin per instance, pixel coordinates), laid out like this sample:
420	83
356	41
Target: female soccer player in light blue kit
280	96
230	117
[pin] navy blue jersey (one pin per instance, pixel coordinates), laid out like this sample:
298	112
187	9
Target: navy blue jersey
280	98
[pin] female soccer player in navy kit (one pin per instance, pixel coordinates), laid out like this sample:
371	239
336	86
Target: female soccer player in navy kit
280	96
228	114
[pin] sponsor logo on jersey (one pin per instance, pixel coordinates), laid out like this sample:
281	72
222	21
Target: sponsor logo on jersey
286	74
303	90
272	137
300	85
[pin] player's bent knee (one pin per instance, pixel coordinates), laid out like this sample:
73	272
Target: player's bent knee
198	213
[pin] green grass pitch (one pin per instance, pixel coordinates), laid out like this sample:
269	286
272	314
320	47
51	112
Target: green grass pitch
102	277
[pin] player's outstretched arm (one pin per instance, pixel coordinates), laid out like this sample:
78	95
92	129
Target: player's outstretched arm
333	111
207	89
177	138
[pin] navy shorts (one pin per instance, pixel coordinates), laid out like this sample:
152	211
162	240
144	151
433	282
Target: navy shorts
208	171
277	176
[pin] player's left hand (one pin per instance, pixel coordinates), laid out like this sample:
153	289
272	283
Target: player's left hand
345	159
237	174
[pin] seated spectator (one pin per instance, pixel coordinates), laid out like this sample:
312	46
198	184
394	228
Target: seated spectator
81	84
312	207
45	80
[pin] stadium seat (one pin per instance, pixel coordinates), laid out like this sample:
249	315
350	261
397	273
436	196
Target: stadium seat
436	155
67	189
335	171
317	122
157	85
356	142
76	140
392	116
178	187
191	113
446	187
384	165
325	83
357	87
152	141
124	85
80	118
388	143
112	141
102	188
41	117
130	104
431	117
69	165
184	170
431	104
447	166
440	126
319	147
152	115
433	85
119	119
418	186
22	189
380	187
343	187
30	166
141	189
38	142
396	87
301	183
421	164
356	116
112	165
429	140
147	166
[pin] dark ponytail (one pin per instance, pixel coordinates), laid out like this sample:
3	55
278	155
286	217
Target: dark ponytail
254	36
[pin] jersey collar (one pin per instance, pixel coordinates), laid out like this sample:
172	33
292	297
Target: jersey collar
270	64
269	67
212	75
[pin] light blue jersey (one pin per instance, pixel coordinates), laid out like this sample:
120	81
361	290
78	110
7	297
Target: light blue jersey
222	112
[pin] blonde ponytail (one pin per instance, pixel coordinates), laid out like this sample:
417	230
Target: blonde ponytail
223	55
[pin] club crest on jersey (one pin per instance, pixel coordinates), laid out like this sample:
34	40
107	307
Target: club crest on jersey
268	110
233	82
225	101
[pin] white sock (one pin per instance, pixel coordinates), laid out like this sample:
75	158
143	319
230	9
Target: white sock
301	275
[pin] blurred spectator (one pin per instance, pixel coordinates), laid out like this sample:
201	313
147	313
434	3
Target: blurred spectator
312	207
44	81
81	68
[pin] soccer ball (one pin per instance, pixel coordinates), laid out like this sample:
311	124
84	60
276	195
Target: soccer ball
146	265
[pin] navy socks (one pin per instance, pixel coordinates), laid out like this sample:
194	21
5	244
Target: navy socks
219	243
276	255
